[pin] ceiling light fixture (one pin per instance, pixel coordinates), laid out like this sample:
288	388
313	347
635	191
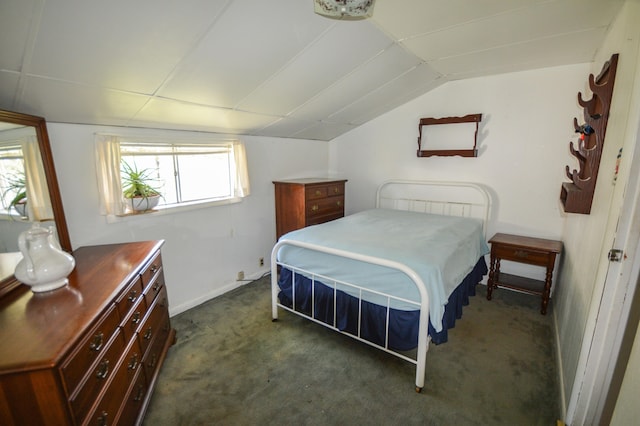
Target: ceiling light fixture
344	9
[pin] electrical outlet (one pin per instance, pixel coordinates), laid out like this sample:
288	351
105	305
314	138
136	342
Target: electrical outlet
240	276
261	261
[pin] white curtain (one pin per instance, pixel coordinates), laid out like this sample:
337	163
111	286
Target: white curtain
108	171
242	187
38	201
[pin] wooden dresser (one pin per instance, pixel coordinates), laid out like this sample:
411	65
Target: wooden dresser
304	202
90	352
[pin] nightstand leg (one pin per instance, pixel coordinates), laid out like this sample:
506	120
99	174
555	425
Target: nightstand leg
494	272
547	291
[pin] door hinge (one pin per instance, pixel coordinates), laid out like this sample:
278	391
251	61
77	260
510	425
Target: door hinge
615	255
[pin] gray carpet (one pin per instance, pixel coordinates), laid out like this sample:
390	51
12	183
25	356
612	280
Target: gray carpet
232	365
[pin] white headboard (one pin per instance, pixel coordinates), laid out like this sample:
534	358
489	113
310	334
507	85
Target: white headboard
464	199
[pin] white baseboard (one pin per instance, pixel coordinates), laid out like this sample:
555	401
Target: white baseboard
563	396
175	310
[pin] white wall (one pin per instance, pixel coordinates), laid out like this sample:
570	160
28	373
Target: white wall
627	410
586	263
525	133
523	147
205	248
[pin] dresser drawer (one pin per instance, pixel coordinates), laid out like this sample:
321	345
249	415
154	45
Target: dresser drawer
152	323
129	297
92	347
325	206
97	377
521	254
134	318
135	398
150	270
112	399
156	349
315	192
154	288
324	191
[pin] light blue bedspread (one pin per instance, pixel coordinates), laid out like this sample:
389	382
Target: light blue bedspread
442	250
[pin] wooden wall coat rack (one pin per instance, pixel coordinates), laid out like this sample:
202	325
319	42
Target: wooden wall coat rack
577	196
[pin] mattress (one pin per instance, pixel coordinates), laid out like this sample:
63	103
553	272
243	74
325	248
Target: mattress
442	250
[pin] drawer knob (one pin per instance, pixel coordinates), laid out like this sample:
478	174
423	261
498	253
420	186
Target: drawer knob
133	362
148	334
339	203
521	254
156	286
336	190
139	394
102	419
136	318
314	207
154	268
97	342
318	192
103	369
152	360
133	296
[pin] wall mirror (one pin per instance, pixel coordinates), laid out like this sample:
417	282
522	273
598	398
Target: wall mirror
24	138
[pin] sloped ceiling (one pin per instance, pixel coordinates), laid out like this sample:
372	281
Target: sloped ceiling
270	68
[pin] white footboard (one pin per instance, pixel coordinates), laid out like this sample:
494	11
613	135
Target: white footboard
423	338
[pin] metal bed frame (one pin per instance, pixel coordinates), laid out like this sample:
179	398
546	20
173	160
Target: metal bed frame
463	199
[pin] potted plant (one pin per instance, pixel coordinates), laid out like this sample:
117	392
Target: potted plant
17	184
137	188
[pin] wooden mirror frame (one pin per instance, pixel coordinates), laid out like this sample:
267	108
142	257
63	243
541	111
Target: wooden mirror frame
429	121
40	126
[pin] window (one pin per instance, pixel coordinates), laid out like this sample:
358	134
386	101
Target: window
12	184
23	184
184	173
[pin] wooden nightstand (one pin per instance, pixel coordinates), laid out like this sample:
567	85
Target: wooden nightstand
532	251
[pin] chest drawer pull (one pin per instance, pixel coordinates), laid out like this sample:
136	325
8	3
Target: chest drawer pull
133	362
315	207
133	296
521	254
318	192
154	268
148	334
135	319
97	342
139	394
152	361
102	419
103	369
156	286
338	203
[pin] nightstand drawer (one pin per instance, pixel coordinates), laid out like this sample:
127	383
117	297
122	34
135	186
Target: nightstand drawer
522	255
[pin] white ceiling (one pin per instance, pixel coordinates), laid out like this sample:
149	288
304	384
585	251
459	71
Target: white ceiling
272	68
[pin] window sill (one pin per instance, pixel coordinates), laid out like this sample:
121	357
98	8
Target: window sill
165	210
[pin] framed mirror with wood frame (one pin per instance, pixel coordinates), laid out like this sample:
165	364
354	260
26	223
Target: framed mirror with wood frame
39	126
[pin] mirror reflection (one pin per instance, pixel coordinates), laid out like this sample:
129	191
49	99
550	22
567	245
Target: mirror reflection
24	197
28	188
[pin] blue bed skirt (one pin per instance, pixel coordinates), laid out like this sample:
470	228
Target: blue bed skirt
403	330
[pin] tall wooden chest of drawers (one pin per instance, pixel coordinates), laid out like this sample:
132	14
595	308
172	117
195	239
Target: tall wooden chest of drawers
304	202
90	352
